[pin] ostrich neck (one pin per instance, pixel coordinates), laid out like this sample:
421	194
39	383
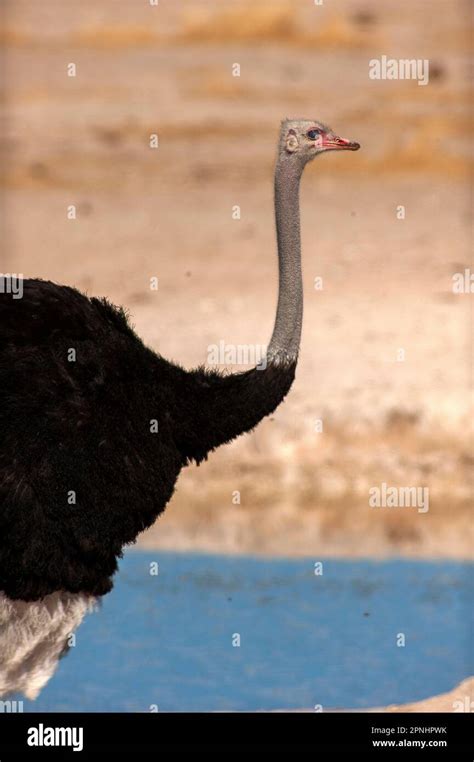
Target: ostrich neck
285	340
215	408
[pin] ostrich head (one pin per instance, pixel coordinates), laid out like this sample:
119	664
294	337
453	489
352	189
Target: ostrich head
306	138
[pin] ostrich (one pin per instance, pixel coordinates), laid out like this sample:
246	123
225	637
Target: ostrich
96	428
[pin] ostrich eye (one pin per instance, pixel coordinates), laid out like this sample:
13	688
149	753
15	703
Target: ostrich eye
313	134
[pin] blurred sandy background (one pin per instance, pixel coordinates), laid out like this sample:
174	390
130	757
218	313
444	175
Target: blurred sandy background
387	283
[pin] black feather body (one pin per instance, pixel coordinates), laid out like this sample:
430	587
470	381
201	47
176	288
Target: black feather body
94	430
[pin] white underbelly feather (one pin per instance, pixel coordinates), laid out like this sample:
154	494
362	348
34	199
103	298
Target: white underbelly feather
33	635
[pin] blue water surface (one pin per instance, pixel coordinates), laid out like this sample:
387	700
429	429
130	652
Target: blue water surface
169	640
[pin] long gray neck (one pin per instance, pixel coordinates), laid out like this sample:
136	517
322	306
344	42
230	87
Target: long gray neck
215	407
285	341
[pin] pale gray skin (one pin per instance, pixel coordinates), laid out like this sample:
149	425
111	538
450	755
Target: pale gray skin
295	149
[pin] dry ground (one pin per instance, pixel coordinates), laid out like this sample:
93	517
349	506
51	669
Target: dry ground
460	699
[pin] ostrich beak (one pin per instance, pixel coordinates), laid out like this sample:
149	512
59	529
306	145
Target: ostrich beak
334	143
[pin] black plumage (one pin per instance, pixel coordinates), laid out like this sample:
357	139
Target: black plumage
95	428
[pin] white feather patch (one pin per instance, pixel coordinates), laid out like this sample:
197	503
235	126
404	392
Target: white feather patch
33	635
